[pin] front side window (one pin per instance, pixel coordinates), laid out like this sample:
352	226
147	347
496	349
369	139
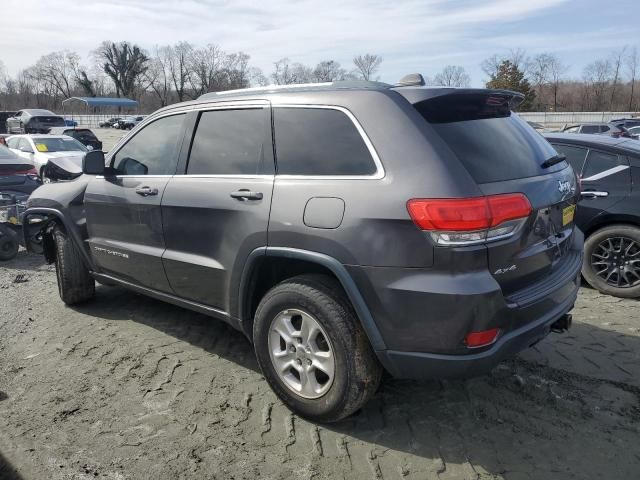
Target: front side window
318	141
232	142
153	150
572	130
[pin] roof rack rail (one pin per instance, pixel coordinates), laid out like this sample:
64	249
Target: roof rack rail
342	84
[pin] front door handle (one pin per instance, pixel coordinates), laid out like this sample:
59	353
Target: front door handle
594	194
244	195
146	191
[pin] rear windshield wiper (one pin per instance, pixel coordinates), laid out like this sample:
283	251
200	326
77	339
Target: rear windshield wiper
549	162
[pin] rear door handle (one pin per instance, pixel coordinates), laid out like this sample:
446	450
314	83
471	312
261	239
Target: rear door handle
594	194
146	191
244	195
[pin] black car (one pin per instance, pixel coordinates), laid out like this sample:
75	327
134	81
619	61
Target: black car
345	228
33	121
609	210
110	123
18	179
83	135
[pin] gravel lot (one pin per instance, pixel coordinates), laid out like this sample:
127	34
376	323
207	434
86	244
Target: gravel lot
126	387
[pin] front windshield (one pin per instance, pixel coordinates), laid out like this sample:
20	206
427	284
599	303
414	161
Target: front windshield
58	145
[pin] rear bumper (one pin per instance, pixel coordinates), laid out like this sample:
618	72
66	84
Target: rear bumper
423	316
428	365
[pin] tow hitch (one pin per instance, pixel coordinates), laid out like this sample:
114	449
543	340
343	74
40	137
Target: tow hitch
562	324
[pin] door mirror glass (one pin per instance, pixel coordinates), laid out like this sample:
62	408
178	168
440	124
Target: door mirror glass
131	166
93	163
26	149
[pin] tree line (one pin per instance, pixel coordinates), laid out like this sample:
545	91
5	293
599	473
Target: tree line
174	73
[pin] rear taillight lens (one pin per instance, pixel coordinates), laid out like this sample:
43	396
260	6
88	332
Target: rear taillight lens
481	339
464	221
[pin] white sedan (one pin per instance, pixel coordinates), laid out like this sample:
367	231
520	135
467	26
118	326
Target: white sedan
38	149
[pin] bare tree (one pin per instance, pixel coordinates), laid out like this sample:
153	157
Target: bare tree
518	57
631	62
158	75
329	71
178	62
617	59
451	76
546	72
125	64
367	65
287	73
204	65
59	72
597	77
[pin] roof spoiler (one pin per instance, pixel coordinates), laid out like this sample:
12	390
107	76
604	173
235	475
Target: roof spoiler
493	96
411	80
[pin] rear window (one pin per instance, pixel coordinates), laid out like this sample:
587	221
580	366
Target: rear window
493	143
319	141
231	142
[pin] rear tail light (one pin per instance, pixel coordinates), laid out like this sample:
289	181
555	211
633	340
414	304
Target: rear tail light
481	339
467	221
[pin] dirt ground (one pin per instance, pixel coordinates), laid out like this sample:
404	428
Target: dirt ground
126	387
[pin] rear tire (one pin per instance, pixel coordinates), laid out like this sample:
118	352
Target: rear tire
75	284
9	244
337	371
611	248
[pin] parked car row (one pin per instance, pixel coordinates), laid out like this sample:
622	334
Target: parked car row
122	123
609	129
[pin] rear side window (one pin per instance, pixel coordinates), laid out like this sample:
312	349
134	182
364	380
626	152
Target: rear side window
491	142
319	141
575	155
599	162
231	142
590	129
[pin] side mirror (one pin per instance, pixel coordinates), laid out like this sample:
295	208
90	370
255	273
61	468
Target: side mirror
93	163
26	150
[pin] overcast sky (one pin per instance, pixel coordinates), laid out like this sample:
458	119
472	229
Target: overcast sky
412	35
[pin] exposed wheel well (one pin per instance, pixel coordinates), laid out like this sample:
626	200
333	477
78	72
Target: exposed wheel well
267	273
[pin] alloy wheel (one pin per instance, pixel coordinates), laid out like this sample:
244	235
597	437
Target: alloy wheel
301	353
616	260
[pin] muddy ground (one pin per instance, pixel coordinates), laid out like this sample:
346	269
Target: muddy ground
126	387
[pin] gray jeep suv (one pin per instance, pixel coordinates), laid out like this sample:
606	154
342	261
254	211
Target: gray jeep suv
345	228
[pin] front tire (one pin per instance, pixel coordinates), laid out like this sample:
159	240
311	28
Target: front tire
75	284
611	262
313	351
